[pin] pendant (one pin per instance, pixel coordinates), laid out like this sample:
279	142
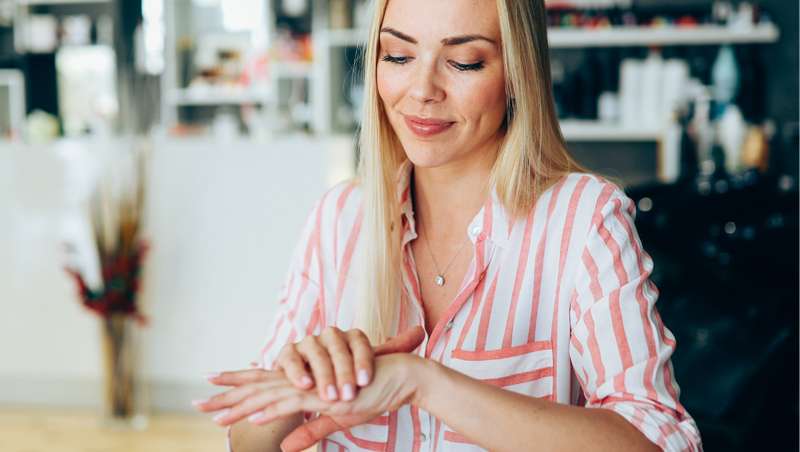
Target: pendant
439	280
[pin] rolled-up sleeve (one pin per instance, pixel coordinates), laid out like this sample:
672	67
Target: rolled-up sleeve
619	347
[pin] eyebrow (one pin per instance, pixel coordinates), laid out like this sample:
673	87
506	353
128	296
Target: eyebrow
453	41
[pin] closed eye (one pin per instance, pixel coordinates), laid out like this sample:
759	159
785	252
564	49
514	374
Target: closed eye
467	67
459	66
395	59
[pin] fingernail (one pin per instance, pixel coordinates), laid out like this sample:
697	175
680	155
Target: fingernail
221	415
363	377
198	402
347	392
211	375
305	381
255	417
332	392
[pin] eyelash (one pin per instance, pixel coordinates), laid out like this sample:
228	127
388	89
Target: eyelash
461	67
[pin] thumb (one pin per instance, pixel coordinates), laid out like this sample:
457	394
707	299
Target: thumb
309	434
405	342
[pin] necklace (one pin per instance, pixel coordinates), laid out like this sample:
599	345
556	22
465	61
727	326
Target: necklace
439	280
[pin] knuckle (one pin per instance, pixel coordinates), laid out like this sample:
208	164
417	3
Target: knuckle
330	331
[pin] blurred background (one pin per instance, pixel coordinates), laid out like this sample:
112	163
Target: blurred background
158	158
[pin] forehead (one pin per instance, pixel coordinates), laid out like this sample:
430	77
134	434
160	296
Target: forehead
433	20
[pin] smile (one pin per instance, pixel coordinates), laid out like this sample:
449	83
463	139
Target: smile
426	127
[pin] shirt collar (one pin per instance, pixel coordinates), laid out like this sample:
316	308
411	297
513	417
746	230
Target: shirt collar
491	222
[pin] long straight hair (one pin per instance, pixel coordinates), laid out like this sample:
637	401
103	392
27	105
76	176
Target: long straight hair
532	156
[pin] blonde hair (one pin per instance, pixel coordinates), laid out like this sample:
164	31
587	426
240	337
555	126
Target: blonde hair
532	155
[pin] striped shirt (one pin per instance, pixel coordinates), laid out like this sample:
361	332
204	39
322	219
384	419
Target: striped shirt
556	305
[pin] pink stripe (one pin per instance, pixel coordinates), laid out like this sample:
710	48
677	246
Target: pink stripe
415	427
321	282
510	380
483	326
391	440
412	278
566	238
476	302
340	202
348	255
577	344
649	374
503	352
521	265
594	282
539	265
594	349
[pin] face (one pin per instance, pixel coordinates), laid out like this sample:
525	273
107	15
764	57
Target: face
440	78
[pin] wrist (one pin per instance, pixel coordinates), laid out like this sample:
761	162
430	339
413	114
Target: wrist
424	373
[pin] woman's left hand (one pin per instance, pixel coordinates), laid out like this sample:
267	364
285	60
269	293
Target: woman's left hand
397	380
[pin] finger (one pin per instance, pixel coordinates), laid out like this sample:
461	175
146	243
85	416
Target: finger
238	377
321	367
299	402
339	351
294	367
362	356
254	402
226	399
406	342
309	434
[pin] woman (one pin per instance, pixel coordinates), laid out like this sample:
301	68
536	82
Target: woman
514	280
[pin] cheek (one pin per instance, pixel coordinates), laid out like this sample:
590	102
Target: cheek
484	97
390	86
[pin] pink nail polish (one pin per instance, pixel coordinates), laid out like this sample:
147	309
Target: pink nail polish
221	415
212	375
255	417
198	402
332	395
347	392
305	381
362	378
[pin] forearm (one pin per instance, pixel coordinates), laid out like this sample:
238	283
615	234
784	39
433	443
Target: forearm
473	409
247	437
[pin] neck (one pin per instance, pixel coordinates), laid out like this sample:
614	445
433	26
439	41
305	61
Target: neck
449	196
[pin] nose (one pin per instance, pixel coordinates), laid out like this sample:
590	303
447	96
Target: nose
425	87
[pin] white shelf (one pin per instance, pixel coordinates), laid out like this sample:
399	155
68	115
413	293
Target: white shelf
578	130
614	37
291	69
217	96
663	36
342	38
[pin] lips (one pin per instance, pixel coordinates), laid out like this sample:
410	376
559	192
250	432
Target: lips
426	127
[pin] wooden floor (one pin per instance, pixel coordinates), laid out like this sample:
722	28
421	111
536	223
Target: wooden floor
40	430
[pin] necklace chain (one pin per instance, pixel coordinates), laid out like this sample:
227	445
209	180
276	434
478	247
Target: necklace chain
440	280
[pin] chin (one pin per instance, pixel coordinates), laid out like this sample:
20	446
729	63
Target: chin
426	155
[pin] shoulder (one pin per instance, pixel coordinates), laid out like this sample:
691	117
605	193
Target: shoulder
587	201
591	193
341	200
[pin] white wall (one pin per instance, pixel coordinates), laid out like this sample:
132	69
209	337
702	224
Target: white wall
222	219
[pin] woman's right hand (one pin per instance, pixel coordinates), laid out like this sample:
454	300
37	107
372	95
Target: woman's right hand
336	362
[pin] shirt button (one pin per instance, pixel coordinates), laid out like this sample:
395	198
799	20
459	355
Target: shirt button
423	437
475	230
448	326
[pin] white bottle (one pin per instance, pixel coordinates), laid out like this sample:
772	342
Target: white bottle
630	85
725	76
651	108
